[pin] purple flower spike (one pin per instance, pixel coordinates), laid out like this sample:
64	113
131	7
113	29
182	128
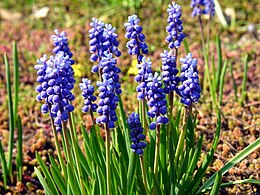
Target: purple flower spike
87	92
190	88
103	39
175	27
61	44
136	45
169	72
156	101
144	69
109	88
201	7
136	134
56	78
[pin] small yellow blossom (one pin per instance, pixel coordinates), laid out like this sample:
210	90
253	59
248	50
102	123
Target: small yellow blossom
78	68
133	69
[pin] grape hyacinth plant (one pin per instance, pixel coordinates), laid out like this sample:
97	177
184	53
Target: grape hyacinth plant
137	139
118	155
203	7
103	46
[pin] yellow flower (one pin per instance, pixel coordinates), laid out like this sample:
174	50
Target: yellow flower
77	70
133	68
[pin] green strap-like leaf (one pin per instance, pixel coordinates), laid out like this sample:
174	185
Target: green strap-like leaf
3	164
217	183
19	158
47	190
47	174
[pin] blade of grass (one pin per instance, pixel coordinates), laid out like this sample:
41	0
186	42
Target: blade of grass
244	153
219	68
131	173
3	164
19	158
72	180
217	183
243	92
11	117
222	81
220	14
58	180
244	181
101	181
186	46
43	182
126	130
156	183
47	174
234	82
16	80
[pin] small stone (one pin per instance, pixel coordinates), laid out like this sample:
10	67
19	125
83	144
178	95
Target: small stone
19	186
237	133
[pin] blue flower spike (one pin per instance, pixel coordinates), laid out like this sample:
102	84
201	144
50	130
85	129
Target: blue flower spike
136	134
102	39
190	88
56	78
87	92
109	88
201	7
156	101
174	27
136	45
169	72
144	69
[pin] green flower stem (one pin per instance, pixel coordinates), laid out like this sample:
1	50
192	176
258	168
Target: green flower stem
67	144
75	149
108	172
57	146
143	172
144	116
171	99
201	31
182	135
92	117
157	149
206	75
203	46
208	33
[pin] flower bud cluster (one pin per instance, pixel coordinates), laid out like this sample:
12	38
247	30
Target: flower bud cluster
175	27
144	70
87	92
170	71
109	88
136	133
56	78
61	44
156	101
136	45
102	39
201	7
190	88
